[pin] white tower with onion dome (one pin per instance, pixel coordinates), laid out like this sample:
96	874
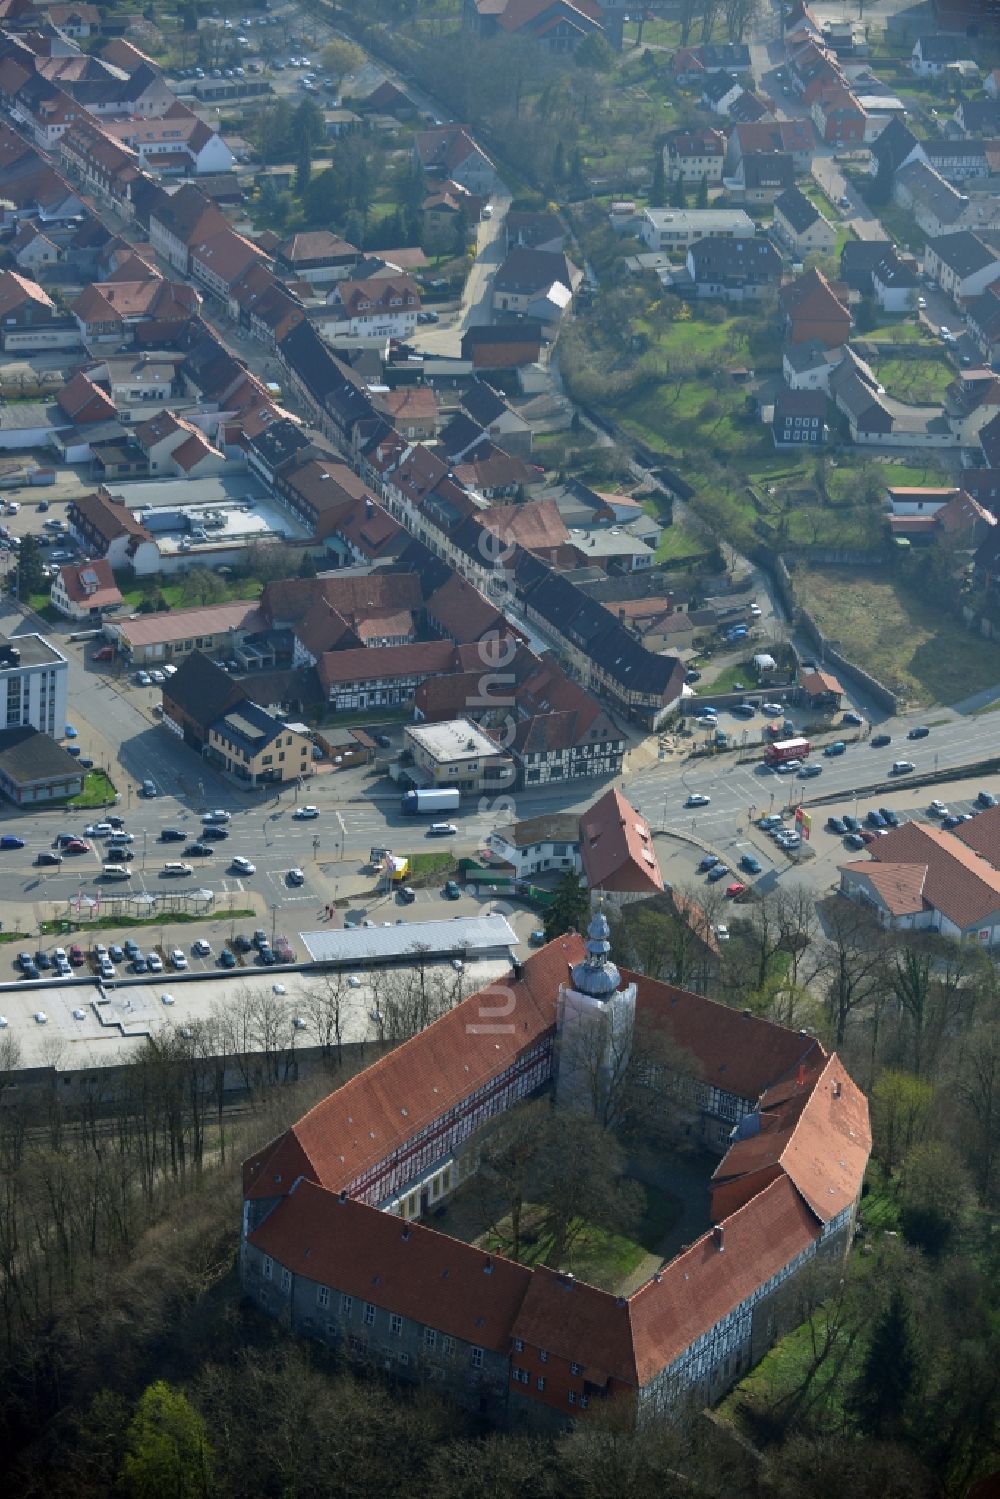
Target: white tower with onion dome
595	1021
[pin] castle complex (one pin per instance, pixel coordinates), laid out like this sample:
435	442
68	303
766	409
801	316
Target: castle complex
335	1242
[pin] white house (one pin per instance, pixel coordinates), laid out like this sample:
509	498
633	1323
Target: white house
677	228
383	306
85	590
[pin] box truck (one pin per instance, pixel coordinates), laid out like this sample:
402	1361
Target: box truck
438	799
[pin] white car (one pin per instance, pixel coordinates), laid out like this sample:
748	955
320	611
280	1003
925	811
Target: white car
217	816
756	611
722	933
243	866
771	708
100	830
202	948
305	812
107	969
697	799
100	952
354	981
298	1023
178	959
143	679
157	676
154	963
937	808
457	964
166	999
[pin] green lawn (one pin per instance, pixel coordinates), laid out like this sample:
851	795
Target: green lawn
739	671
185	591
901	331
921	382
904	638
597	1256
98	791
427	867
818	198
679	542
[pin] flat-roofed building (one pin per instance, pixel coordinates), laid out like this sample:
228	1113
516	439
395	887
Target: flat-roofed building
34	678
458	753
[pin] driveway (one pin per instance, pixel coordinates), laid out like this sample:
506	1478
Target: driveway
445	338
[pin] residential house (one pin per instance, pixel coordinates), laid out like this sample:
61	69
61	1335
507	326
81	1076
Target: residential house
23	303
720	91
676	229
762	176
111	312
961	159
183	219
813	312
895	284
357	680
937	206
176	446
258	748
85	590
535	844
931	55
840	118
799	417
895	148
796	138
179	635
528	274
617	855
979	116
83	401
982	321
449	152
383	305
534	230
859	258
963	264
801	226
733	270
488	409
458	753
105	527
807	366
694	155
412	409
316	256
690	64
33	250
219	261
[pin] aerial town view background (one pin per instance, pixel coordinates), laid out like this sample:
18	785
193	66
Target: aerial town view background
500	749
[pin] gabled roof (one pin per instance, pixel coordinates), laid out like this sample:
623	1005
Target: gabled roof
797	211
201	690
84	402
616	847
92	583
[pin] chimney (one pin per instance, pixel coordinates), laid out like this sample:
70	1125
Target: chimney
718	1235
488	1267
405	1234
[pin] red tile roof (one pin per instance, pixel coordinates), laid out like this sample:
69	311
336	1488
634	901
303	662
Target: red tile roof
616	847
537	525
386	1106
92	583
403	1267
389	663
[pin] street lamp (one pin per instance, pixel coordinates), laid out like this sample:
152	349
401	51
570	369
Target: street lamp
316	847
274	921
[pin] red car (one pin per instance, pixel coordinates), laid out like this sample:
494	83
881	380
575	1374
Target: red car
868	836
736	889
76	955
106	653
76	846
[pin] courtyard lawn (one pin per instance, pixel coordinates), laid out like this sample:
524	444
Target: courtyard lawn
597	1256
921	382
900	331
898	634
727	679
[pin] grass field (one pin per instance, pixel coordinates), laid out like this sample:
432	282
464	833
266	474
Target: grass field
901	331
898	634
184	594
426	867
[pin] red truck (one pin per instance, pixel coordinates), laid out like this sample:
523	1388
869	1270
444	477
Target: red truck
787	749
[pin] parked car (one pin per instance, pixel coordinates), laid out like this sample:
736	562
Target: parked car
178	958
296	877
751	864
718	873
901	767
889	817
243	866
451	890
217	816
148	788
836	825
708	862
214	834
199	850
853	718
227	959
736	889
172	835
305	814
986	799
851	823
